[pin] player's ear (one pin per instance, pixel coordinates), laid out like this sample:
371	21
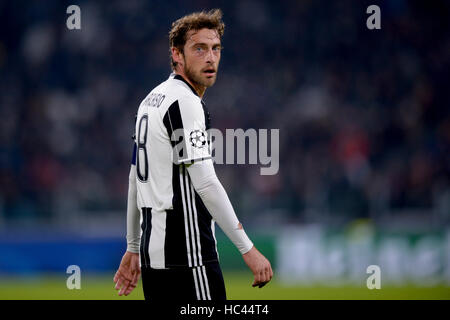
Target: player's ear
177	55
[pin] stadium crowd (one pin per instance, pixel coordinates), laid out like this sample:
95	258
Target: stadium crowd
363	114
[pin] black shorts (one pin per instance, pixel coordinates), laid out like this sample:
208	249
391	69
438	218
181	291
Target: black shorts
197	283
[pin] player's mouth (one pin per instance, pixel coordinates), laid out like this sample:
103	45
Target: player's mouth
209	72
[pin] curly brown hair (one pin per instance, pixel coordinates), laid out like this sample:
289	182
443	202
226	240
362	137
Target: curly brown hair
194	21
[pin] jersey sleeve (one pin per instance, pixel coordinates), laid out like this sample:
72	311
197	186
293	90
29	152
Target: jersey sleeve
185	123
133	214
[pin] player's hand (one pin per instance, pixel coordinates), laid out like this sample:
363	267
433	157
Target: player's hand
127	277
260	266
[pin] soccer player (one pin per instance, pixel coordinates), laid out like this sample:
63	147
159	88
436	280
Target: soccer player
174	193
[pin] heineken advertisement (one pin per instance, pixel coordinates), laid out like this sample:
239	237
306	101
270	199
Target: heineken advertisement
316	255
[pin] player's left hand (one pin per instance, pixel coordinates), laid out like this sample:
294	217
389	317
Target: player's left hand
128	274
260	266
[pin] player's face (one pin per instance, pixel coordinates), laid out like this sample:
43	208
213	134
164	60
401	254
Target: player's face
202	56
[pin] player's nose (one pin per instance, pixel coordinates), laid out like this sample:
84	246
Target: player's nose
210	56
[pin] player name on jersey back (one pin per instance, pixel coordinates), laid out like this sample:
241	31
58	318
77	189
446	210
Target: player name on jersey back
154	100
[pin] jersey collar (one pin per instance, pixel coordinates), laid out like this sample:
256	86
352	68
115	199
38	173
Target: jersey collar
178	77
207	115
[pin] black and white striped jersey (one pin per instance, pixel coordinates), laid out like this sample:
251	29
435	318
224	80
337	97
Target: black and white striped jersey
176	228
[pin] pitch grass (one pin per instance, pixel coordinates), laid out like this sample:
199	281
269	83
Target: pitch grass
101	287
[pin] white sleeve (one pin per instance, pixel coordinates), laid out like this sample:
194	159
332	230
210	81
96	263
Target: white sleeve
133	214
216	201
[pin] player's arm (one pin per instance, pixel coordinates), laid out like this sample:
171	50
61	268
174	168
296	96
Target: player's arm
129	271
208	186
133	214
216	200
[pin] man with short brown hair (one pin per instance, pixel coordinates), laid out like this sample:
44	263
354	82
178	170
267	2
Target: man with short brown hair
175	196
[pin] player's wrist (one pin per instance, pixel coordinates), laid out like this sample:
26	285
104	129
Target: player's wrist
248	249
132	250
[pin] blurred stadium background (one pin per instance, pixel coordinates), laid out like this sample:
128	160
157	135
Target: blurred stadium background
364	142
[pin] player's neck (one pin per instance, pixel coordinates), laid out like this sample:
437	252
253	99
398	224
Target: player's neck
199	89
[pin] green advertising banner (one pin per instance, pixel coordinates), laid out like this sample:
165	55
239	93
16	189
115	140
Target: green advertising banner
313	254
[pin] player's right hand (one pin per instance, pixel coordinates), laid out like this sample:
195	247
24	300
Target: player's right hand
128	274
260	266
